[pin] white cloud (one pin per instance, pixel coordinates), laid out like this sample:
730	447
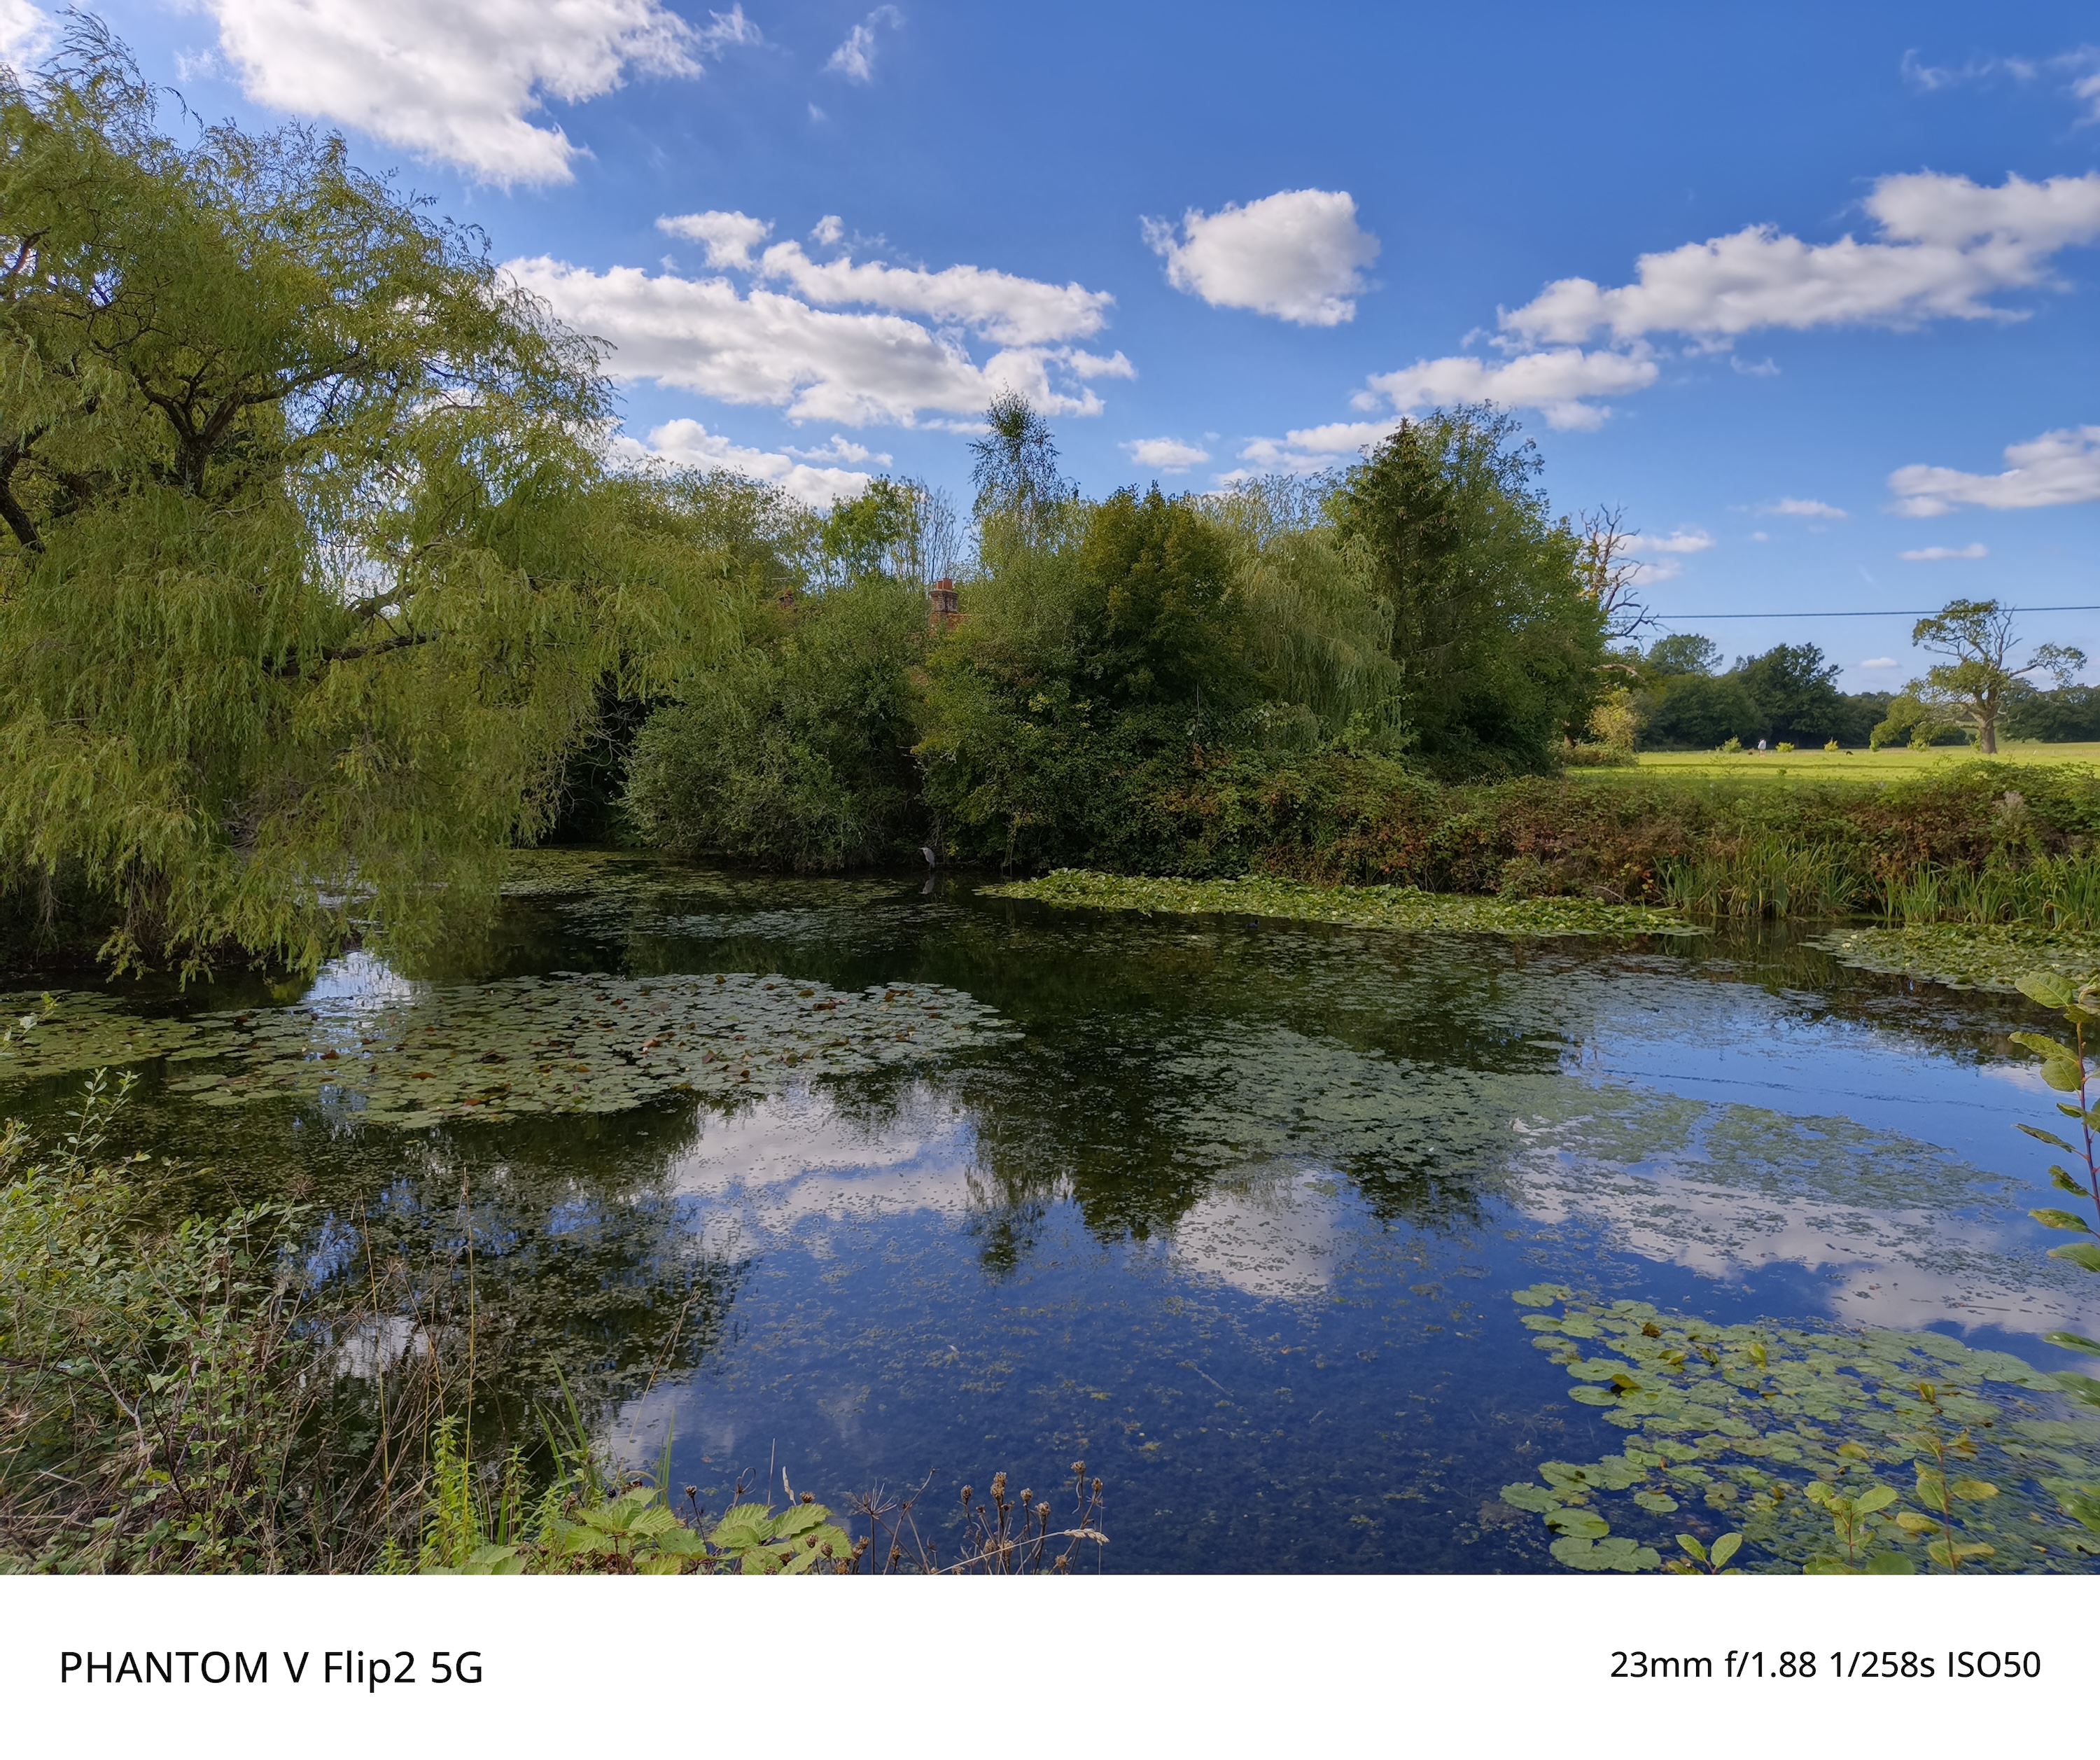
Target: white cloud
1798	508
455	81
1760	537
687	442
1682	542
1167	455
2056	470
839	450
1939	552
766	347
1303	451
25	34
855	57
1007	308
730	237
1946	244
829	230
1297	255
1555	381
1883	664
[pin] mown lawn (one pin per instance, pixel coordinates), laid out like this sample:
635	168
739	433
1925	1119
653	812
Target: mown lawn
1885	766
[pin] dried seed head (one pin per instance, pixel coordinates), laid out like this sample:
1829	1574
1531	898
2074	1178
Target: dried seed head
999	1484
1097	1487
967	1493
1078	1466
1027	1496
808	1497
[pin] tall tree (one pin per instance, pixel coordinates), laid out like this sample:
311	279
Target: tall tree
1972	682
1494	624
310	570
1014	468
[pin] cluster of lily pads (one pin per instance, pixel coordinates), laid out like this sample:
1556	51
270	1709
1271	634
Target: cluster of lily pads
572	1042
1393	907
1875	1452
1966	955
85	1029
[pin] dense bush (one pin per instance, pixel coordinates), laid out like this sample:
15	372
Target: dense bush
798	753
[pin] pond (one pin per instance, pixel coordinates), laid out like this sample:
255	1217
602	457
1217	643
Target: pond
864	1179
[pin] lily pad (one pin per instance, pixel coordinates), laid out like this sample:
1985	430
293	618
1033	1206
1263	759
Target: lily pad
571	1043
1746	1420
88	1030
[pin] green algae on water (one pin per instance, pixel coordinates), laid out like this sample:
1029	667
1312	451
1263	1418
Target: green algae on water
1393	907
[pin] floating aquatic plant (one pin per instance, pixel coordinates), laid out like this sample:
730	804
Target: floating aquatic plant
1965	956
1394	907
1879	1451
85	1029
569	1043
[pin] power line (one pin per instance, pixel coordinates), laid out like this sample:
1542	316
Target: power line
1707	617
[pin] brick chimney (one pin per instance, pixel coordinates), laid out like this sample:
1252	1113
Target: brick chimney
943	605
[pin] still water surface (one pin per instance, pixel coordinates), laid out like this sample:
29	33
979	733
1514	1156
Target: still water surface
1234	1215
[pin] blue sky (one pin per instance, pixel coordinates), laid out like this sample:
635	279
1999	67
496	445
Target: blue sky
1804	290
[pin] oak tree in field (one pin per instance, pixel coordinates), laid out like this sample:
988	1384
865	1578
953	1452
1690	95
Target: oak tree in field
1970	685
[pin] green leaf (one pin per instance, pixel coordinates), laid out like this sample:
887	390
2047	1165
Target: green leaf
1976	1490
2043	1046
2073	1341
1578	1524
2082	1389
1590	1396
2065	1077
2061	1219
1691	1544
2049	1137
2064	1180
1890	1564
2046	988
1726	1548
1880	1498
2084	1253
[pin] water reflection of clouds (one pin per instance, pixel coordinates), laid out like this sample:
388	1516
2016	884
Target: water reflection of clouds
1278	1234
793	1159
790	1164
1727	1216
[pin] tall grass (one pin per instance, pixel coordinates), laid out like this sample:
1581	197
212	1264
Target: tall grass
1763	875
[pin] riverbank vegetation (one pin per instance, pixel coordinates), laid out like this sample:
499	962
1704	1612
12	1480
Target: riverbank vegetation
321	592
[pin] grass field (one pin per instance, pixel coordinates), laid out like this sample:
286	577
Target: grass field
1885	766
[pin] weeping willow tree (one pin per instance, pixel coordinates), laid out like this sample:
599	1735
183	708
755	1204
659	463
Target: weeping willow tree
311	571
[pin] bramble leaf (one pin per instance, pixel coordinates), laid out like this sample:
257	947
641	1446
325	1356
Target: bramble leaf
2081	1253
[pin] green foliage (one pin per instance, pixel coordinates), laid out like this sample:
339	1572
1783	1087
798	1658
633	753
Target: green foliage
796	753
1803	1446
310	572
147	1421
1497	641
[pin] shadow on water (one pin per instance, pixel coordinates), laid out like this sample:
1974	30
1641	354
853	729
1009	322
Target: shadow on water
1232	1214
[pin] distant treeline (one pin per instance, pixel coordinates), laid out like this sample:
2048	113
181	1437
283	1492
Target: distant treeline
1685	702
